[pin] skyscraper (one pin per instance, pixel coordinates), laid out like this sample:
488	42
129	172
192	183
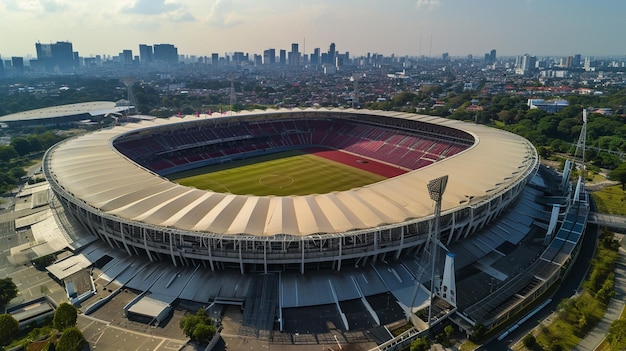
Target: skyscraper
294	55
18	65
525	64
332	53
126	57
166	53
577	61
315	57
145	53
283	57
269	57
56	57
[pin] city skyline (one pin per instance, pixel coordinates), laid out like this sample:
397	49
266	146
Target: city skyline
413	28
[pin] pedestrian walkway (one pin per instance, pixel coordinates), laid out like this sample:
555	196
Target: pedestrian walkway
607	220
614	309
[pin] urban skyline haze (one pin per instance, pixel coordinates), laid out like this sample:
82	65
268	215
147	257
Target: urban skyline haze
401	27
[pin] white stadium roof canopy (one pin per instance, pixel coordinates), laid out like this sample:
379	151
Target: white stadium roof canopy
89	168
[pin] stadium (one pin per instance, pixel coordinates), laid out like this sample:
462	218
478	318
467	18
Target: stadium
117	183
308	226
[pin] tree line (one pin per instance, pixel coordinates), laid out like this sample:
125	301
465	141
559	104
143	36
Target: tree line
14	157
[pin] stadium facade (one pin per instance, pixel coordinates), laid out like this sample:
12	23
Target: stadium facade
113	182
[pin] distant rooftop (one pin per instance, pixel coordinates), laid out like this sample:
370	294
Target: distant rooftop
93	108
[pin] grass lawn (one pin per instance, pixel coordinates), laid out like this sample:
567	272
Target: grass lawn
281	174
611	200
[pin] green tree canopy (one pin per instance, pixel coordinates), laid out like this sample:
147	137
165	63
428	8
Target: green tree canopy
420	344
65	316
198	326
617	335
17	172
8	329
203	332
7	153
72	339
8	291
619	175
21	145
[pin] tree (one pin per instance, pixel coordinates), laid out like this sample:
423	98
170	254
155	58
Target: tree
505	116
7	153
17	172
617	335
21	145
72	339
619	174
420	344
198	326
65	316
203	332
529	341
8	328
8	291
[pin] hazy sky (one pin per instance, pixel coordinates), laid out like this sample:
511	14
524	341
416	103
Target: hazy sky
201	27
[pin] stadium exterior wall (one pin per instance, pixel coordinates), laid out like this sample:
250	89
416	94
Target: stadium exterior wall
250	253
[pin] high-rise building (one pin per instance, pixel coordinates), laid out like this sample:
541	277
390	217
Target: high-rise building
258	60
283	57
1	68
239	57
294	55
56	57
525	65
166	53
18	65
492	56
269	57
445	56
315	57
332	53
567	62
215	59
126	57
145	53
577	61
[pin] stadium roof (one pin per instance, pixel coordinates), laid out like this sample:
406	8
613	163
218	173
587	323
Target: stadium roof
93	171
94	108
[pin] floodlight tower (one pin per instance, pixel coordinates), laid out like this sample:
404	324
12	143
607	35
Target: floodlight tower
436	188
128	82
233	94
355	97
579	156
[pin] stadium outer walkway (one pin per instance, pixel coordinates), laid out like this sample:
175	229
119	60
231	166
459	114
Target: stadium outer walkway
614	309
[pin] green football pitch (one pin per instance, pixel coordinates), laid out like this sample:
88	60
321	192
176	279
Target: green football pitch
281	174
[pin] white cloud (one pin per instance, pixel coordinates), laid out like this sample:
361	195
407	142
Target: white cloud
175	10
169	10
34	6
427	4
222	14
